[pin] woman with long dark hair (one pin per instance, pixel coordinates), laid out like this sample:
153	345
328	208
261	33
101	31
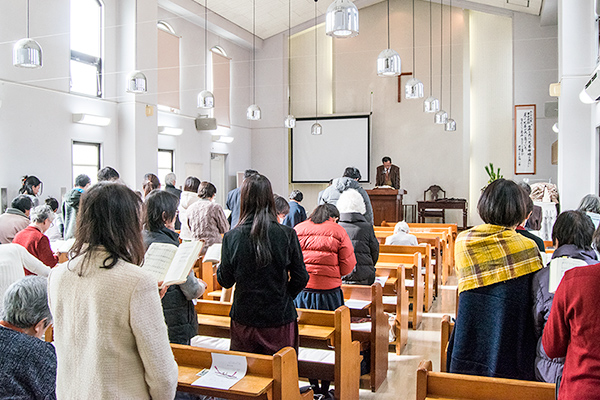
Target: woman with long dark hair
107	310
263	259
32	187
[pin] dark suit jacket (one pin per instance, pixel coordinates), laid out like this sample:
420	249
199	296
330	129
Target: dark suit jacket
394	176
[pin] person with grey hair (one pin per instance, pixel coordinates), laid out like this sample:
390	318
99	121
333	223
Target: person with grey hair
401	236
348	181
590	204
33	238
28	363
171	181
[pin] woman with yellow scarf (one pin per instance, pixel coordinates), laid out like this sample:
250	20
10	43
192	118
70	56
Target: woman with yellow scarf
494	334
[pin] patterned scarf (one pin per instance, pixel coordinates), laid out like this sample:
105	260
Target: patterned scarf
488	254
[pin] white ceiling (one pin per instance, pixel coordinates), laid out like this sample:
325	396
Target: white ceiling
272	15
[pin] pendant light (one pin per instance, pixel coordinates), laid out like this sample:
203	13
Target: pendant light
431	104
414	87
290	120
341	20
388	61
136	80
27	53
316	128
253	112
205	98
441	117
450	124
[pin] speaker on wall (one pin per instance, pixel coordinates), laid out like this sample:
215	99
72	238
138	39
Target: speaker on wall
206	124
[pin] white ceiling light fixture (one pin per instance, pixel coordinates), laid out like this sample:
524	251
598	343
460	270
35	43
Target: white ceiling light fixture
136	80
450	123
222	139
169	130
414	87
88	119
316	128
441	117
341	20
205	98
431	104
253	112
388	61
27	53
290	120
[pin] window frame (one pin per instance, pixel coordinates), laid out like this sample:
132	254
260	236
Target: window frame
172	169
99	161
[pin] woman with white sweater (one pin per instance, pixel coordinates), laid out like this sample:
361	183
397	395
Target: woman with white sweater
110	334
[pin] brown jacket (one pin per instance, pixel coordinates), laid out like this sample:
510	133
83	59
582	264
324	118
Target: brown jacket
394	176
12	222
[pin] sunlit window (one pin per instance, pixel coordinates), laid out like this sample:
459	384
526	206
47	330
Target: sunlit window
165	164
86	160
86	47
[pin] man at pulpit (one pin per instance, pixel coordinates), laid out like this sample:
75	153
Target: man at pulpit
388	174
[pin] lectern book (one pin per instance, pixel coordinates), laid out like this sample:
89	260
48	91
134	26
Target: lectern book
169	263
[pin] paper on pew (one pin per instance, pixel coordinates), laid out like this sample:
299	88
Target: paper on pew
558	267
381	280
357	304
225	371
169	263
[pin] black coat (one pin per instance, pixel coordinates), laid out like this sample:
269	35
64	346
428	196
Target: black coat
179	312
366	248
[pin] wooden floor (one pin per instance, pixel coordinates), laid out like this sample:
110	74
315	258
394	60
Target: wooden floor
423	344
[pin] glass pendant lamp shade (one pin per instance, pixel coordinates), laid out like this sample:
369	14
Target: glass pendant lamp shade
450	125
316	129
27	53
341	20
253	112
389	63
431	105
206	99
136	82
290	121
440	117
413	89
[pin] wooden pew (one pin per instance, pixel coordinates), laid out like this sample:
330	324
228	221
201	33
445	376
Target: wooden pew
447	328
396	300
268	377
374	333
442	385
429	275
412	266
316	328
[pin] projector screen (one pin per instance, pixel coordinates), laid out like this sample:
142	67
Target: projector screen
345	142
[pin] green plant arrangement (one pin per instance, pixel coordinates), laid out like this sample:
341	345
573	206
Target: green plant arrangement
493	175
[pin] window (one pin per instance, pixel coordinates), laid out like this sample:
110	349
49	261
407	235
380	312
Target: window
165	164
168	67
86	160
86	47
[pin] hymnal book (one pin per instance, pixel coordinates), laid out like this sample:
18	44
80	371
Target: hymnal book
62	246
558	267
169	263
213	254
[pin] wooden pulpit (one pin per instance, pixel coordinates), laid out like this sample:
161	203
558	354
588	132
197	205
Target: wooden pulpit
387	204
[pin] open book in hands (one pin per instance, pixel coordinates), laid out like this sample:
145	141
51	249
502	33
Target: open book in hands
558	267
171	264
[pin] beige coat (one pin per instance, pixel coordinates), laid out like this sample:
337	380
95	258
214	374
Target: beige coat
109	331
12	222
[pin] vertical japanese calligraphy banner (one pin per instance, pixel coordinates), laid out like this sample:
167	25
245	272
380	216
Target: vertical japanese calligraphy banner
525	139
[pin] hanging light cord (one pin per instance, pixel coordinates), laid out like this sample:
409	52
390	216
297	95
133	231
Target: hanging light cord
205	45
27	18
316	68
441	52
388	22
290	57
253	51
430	54
450	58
413	36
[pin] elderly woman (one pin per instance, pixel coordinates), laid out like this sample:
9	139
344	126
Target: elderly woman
106	309
590	204
494	335
160	211
28	363
206	218
33	238
366	247
188	197
401	237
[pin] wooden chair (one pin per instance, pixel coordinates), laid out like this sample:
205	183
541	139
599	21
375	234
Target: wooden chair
442	385
396	301
447	328
432	194
267	377
372	335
